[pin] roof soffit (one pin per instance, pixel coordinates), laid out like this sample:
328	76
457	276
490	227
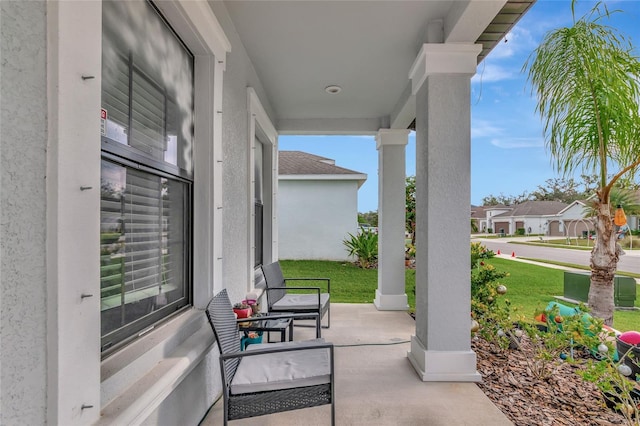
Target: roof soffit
298	48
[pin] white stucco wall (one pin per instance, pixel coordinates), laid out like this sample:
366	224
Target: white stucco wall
23	137
237	202
576	211
315	217
50	147
537	224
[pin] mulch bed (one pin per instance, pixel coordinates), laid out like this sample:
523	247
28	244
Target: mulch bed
563	399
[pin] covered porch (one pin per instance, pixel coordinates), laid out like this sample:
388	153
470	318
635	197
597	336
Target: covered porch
250	72
376	384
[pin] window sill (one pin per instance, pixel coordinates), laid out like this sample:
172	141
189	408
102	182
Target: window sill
136	379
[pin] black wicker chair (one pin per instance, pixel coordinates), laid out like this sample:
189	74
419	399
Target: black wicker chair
279	300
269	378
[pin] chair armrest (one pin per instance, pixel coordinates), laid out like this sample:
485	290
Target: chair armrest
311	346
278	316
328	280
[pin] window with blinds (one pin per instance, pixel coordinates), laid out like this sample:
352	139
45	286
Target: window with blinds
143	245
146	176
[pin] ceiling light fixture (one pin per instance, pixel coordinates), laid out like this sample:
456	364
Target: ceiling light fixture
333	89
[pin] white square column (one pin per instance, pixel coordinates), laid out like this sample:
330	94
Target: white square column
390	294
441	348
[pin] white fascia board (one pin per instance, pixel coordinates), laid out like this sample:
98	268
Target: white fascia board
439	58
355	176
576	202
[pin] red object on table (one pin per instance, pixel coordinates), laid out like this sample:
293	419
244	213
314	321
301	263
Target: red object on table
243	312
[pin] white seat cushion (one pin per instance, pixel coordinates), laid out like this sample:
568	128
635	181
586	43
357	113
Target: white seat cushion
282	370
301	301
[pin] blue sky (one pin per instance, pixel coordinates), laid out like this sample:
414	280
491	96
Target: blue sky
505	130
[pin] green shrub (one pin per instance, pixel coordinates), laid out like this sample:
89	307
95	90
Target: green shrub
520	231
489	310
364	246
479	253
409	251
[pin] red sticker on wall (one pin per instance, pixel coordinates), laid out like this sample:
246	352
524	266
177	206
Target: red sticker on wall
103	122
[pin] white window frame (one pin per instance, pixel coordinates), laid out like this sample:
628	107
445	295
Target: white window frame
75	373
262	130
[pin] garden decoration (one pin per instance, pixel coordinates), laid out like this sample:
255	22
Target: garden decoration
250	338
563	311
628	346
613	371
620	220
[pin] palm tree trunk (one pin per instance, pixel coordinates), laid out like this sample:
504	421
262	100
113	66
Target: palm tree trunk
604	263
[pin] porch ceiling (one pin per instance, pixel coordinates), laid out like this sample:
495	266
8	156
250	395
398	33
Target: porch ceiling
366	47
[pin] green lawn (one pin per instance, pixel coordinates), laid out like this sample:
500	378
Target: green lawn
529	286
349	284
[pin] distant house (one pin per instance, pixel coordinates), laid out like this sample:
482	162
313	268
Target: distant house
479	217
550	218
534	217
571	221
317	206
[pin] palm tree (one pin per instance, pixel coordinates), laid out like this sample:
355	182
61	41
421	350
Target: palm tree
587	84
625	198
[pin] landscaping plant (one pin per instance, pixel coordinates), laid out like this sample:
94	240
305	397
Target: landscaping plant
364	247
612	378
560	339
490	313
480	253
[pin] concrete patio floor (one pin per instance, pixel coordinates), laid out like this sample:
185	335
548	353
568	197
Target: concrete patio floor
376	385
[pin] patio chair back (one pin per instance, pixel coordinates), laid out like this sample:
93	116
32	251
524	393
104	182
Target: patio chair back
303	299
220	315
274	279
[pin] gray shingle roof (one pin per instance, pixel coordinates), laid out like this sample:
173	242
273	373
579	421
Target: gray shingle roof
303	163
478	212
535	208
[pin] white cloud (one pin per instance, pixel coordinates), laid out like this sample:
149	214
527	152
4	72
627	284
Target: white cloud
488	73
516	143
517	41
483	129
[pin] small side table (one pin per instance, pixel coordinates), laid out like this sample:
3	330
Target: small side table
266	324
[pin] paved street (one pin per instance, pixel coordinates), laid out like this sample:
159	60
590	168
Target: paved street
628	263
